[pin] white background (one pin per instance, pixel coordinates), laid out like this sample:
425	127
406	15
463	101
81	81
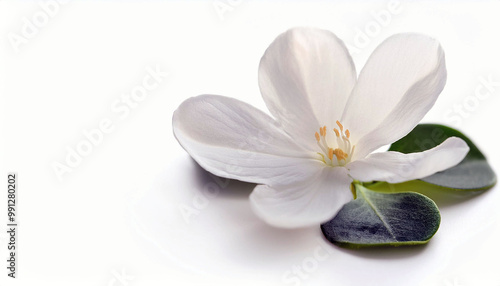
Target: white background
119	209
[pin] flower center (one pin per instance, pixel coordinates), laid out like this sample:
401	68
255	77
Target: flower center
335	156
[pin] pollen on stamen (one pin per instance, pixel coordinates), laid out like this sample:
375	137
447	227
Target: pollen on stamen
322	131
340	126
336	132
341	155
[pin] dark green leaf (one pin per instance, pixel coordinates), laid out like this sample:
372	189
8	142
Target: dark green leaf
473	173
376	219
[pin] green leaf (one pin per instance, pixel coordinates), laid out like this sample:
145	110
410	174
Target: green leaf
472	174
378	219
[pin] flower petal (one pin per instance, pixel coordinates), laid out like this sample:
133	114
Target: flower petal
398	85
232	139
305	78
310	202
395	167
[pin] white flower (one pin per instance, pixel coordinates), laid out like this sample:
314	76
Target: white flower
325	124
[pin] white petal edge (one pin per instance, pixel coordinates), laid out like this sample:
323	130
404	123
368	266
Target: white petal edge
396	167
305	77
311	202
398	85
232	139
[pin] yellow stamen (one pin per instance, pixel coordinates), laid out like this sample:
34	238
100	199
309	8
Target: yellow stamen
341	155
322	157
336	132
340	126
